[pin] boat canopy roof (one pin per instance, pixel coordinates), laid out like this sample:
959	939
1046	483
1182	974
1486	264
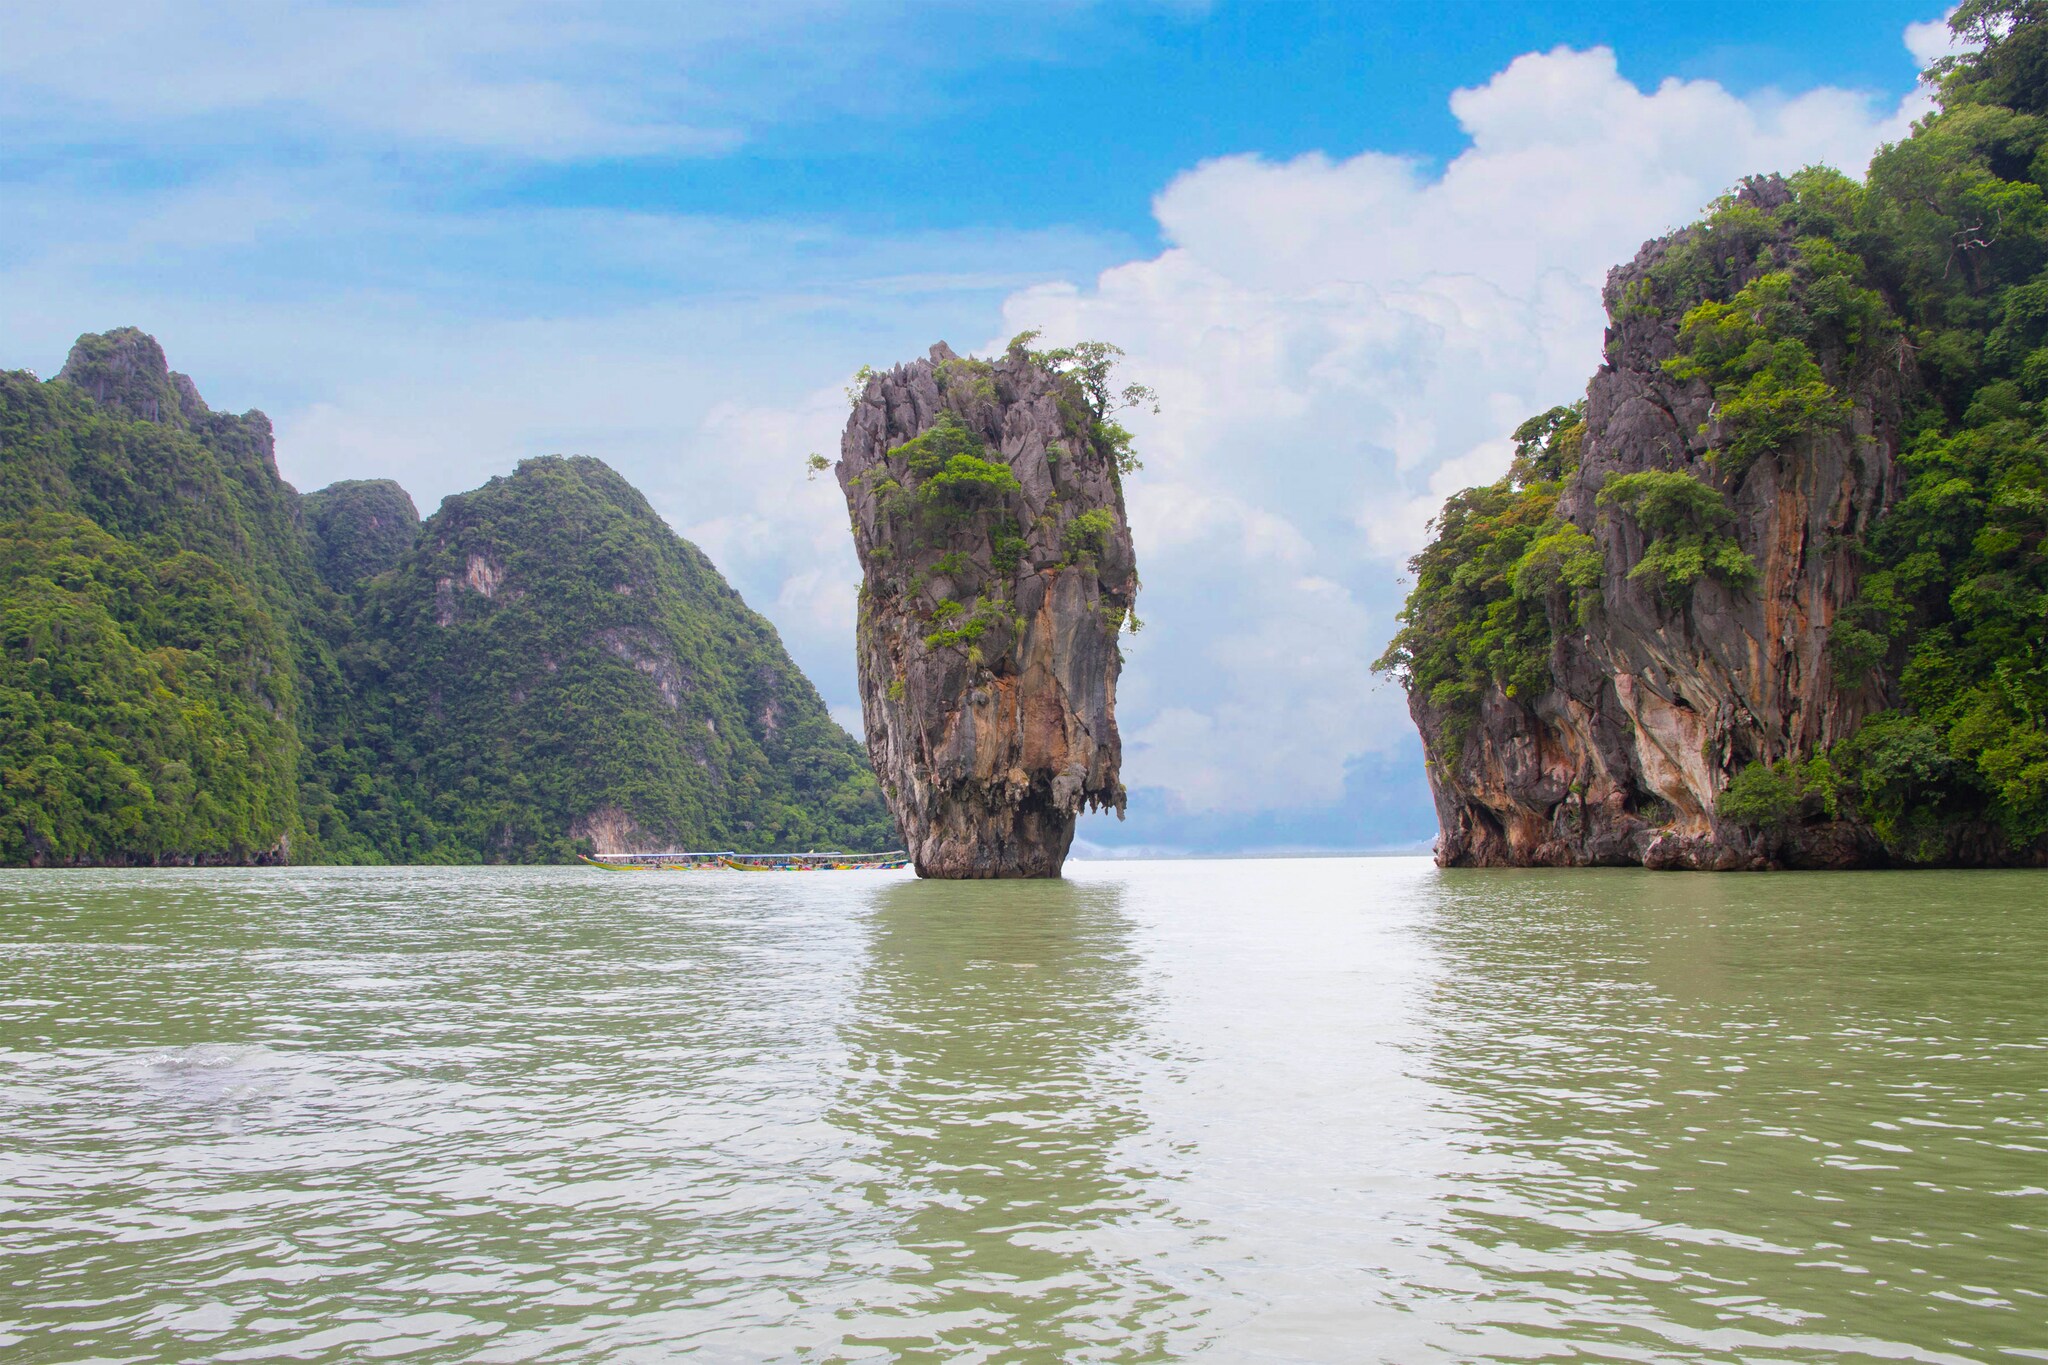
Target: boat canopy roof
720	855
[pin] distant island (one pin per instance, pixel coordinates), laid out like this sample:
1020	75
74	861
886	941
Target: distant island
1775	594
199	665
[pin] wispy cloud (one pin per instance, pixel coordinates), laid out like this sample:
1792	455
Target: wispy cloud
525	79
535	80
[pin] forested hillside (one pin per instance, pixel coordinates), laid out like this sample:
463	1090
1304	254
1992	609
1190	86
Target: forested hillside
1777	591
197	664
555	664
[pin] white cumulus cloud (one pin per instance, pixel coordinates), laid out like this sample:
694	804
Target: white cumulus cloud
1932	40
1338	345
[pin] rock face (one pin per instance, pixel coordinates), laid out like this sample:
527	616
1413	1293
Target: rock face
1654	705
997	572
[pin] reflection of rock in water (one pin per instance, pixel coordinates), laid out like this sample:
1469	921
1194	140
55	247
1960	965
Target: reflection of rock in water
995	1118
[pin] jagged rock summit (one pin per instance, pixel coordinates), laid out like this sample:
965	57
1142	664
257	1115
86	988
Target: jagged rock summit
997	568
125	372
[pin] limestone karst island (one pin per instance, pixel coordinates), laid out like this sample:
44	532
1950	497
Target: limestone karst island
897	683
987	506
1771	594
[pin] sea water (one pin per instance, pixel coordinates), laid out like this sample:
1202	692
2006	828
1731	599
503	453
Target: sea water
1291	1110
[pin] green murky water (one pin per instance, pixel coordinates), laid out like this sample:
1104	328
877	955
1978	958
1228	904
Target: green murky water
1316	1110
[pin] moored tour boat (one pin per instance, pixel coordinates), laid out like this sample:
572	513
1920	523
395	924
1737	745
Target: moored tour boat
749	862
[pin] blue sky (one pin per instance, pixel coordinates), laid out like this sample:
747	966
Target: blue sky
1136	95
1350	244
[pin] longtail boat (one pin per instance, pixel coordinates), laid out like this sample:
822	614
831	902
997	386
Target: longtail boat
749	862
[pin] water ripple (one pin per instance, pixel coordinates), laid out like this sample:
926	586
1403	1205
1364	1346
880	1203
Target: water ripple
1320	1110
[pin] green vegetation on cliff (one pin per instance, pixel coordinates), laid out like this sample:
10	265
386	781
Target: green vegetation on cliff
151	687
1683	523
1501	573
1934	269
199	665
145	699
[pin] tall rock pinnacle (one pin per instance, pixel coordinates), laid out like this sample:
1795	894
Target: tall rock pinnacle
997	572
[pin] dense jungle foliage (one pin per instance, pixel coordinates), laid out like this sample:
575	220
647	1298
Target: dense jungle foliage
550	640
199	665
359	528
1936	264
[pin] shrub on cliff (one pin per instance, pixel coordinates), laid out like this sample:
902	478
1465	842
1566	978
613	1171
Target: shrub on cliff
1766	797
1769	388
968	481
1090	367
1681	520
1501	576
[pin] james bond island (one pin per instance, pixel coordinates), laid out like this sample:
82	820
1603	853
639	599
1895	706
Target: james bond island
1775	593
997	573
